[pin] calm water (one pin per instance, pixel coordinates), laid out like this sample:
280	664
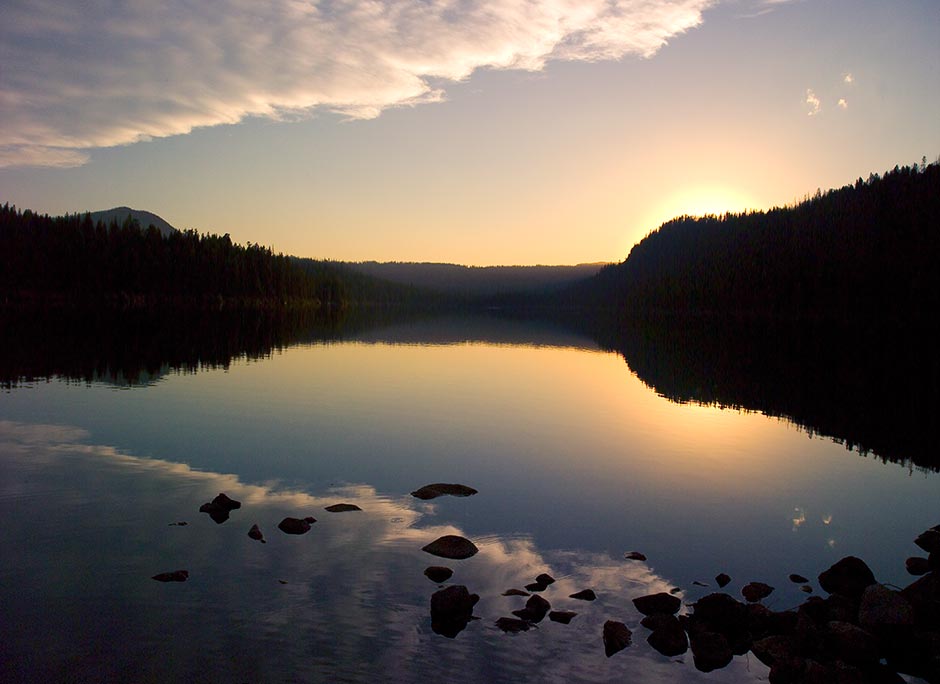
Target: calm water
576	460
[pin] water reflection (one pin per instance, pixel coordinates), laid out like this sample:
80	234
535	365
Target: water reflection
347	601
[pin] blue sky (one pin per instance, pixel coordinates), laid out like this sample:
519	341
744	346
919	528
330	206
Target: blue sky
461	131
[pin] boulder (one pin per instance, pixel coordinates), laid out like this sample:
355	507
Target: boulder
536	608
924	597
847	577
175	576
438	573
255	533
917	566
661	603
432	491
451	546
883	609
756	591
342	508
220	507
722	580
584	595
929	541
722	612
851	643
294	525
773	649
545	579
798	579
452	610
515	592
669	638
616	637
536	586
658	620
710	651
512	625
562	616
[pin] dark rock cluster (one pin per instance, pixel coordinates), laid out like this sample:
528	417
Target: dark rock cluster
219	508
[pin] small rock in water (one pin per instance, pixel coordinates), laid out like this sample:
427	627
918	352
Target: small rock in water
756	591
699	584
545	579
342	508
536	608
656	604
438	573
847	577
669	638
294	525
675	590
722	580
282	581
536	586
175	576
452	610
255	533
432	491
917	566
181	523
929	541
806	589
220	507
634	555
616	637
584	595
451	546
515	592
798	579
710	651
562	616
512	625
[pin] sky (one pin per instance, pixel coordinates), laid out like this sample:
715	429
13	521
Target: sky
463	131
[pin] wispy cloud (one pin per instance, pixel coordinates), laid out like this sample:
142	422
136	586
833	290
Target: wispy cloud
812	102
77	76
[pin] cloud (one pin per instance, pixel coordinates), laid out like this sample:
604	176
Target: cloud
848	78
812	102
79	76
842	103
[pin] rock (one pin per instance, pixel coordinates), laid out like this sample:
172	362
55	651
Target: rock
929	541
806	589
545	579
696	583
181	523
851	643
562	616
917	566
294	525
798	579
661	603
883	609
512	625
515	592
847	577
536	586
675	590
451	546
536	608
658	620
584	595
722	580
756	591
773	649
255	533
452	610
438	573
342	508
710	651
616	637
220	507
722	612
924	597
175	576
432	491
669	639
634	555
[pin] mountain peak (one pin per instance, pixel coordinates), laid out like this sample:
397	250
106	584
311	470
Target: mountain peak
145	218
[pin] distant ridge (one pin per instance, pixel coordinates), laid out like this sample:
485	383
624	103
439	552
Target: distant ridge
145	218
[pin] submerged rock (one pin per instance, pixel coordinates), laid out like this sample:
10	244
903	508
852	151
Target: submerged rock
584	595
798	579
616	637
438	573
432	491
512	625
536	608
452	610
342	508
722	580
295	525
847	577
756	591
515	592
255	533
656	604
562	616
220	507
451	546
175	576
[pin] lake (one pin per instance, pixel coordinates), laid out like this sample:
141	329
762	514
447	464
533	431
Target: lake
109	436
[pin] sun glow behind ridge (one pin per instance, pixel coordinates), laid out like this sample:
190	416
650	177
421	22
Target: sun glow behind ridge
701	201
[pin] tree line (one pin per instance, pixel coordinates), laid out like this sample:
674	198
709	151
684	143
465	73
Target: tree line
871	248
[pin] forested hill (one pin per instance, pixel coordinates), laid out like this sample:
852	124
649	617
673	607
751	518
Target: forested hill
75	260
476	281
868	249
